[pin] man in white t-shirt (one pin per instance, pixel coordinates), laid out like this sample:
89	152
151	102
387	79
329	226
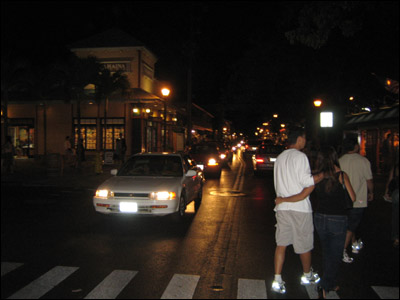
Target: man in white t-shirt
358	168
292	175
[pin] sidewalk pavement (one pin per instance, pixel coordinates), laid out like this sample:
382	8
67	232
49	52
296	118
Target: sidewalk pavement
30	171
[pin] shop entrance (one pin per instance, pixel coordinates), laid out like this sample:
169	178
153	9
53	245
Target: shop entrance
23	137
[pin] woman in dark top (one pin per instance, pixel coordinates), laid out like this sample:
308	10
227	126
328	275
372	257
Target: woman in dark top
330	217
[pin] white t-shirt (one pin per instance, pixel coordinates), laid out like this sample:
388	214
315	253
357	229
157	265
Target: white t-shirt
358	168
292	174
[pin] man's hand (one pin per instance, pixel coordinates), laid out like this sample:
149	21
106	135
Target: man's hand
318	177
370	196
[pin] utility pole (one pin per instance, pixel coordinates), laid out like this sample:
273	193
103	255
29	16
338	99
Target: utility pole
189	79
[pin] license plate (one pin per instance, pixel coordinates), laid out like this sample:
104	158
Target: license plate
128	207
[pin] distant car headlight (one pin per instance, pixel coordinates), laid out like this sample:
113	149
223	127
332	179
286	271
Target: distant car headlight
222	156
212	162
163	195
104	194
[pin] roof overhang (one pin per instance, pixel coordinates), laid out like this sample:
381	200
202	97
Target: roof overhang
383	115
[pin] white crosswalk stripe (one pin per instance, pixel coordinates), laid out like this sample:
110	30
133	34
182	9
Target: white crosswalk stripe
313	294
112	285
44	283
7	267
181	286
387	292
251	289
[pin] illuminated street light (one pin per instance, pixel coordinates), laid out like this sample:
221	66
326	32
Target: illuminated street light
165	92
275	115
351	98
317	103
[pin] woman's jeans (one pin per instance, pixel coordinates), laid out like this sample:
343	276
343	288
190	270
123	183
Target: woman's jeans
332	234
395	214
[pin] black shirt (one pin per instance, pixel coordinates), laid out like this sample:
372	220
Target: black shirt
330	202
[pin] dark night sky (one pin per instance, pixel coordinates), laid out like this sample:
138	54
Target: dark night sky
246	37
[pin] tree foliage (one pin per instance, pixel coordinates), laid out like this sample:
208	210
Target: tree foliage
314	21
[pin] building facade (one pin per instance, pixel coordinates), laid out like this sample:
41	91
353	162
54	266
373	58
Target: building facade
147	120
378	135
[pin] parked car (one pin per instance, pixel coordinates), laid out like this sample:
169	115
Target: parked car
251	146
265	157
226	152
207	158
150	184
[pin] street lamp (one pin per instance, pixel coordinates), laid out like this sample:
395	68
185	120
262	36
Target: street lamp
317	103
165	92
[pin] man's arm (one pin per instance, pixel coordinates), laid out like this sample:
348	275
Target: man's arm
370	185
295	198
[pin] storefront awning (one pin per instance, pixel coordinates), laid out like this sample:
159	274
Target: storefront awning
136	95
384	114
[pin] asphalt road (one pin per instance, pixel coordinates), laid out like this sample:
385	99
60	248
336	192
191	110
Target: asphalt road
54	245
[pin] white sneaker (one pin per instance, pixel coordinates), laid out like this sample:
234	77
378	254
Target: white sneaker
387	199
346	258
278	287
313	279
357	246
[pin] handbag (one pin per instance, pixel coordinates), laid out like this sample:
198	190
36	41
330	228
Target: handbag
348	203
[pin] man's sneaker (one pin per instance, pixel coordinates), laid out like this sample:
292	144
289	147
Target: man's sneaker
357	246
312	279
346	258
278	287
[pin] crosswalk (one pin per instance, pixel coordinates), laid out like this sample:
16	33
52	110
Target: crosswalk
181	286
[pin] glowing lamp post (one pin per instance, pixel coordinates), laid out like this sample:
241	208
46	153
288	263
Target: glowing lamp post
165	92
317	103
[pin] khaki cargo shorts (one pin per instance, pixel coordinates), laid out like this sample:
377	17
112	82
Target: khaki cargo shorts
295	228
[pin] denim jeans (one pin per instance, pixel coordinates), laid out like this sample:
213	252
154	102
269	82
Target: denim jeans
332	234
395	214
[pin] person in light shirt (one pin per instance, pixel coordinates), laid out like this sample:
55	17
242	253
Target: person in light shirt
293	181
359	170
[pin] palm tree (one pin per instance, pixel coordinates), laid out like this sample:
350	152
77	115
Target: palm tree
108	83
76	75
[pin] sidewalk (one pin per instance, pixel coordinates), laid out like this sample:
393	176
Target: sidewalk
30	171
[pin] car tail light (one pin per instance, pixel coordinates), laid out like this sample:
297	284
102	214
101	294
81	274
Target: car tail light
259	160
